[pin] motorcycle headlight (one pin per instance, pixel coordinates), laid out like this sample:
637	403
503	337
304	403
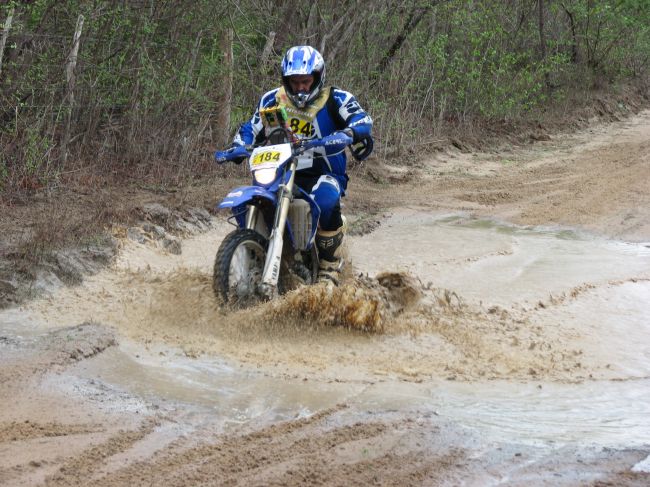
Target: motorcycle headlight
264	176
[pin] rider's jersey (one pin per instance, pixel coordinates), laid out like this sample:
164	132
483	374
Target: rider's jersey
332	110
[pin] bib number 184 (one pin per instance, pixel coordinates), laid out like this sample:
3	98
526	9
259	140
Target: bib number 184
267	156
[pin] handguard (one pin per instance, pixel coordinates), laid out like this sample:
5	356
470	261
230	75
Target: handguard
362	149
236	154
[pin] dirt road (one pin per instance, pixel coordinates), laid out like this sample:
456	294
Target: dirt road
502	338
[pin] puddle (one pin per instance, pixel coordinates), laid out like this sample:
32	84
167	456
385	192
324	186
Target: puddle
598	413
522	307
234	393
593	413
612	321
483	261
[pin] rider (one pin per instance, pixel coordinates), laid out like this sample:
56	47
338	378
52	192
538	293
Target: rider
314	111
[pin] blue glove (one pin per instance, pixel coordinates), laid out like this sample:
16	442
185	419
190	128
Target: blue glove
236	154
333	143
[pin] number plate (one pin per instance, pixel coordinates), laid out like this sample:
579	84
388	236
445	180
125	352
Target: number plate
266	156
269	156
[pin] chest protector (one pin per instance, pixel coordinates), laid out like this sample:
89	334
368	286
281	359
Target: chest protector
301	120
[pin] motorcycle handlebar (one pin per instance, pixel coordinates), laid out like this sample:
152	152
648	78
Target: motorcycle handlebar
335	142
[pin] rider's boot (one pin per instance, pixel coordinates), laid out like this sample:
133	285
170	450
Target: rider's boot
330	262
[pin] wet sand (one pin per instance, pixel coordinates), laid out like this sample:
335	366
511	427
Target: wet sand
495	332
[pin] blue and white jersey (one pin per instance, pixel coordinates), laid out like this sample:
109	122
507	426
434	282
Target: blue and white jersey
333	110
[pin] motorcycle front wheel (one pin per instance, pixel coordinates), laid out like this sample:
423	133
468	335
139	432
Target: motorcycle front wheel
238	267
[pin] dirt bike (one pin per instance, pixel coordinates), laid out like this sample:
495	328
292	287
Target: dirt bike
272	250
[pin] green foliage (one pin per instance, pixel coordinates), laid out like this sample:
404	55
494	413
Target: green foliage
148	73
4	174
35	151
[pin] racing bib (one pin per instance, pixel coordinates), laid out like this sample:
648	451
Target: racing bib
302	127
301	120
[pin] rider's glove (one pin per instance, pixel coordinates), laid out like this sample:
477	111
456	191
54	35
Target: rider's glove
362	148
333	143
236	154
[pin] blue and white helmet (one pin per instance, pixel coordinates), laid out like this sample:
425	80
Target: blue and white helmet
303	60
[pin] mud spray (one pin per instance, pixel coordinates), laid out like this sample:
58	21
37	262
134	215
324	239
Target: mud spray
364	304
390	324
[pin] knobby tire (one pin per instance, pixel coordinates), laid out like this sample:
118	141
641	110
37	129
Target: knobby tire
229	245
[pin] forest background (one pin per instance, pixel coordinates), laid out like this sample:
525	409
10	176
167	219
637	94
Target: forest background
97	91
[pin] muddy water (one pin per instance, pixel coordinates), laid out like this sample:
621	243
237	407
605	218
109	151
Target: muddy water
533	334
611	413
497	264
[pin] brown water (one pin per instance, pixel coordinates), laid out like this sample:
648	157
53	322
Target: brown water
608	413
533	335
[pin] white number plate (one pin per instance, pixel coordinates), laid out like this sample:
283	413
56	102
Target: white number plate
269	156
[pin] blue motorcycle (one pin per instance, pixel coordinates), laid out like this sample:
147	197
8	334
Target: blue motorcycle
272	250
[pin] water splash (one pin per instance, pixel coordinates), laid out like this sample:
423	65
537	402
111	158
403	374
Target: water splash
361	303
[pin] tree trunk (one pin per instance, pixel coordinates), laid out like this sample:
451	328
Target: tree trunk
70	78
224	100
266	52
195	53
542	42
542	36
415	16
5	34
574	38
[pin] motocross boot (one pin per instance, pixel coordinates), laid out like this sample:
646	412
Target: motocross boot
330	262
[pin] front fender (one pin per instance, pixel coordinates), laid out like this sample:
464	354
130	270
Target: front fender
242	195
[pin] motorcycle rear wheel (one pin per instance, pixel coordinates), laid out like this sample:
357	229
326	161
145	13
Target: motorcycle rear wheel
238	267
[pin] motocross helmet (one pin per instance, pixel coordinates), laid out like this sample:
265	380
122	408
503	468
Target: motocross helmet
303	60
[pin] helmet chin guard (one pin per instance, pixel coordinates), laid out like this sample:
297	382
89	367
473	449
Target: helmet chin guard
299	99
303	60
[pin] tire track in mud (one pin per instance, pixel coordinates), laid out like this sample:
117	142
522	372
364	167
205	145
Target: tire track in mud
603	188
28	430
80	469
28	369
325	448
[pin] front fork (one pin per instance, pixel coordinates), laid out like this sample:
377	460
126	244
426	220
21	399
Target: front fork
251	217
271	274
